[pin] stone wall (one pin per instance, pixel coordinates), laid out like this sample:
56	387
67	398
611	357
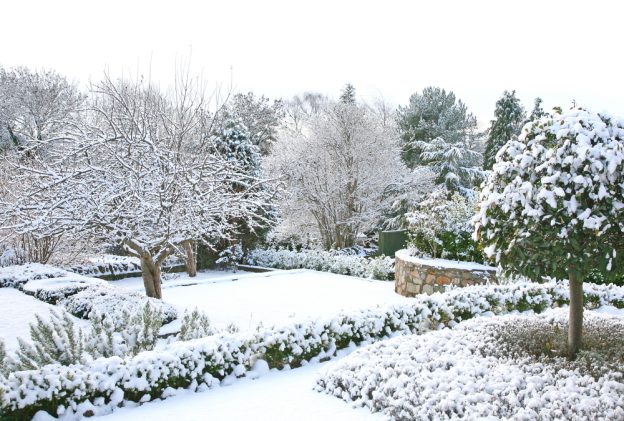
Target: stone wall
414	275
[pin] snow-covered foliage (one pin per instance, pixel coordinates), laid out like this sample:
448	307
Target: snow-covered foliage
554	200
260	116
110	300
440	227
55	341
123	333
195	324
431	115
481	370
333	261
35	106
508	120
230	256
17	276
4	369
141	172
341	168
111	265
456	164
107	382
78	294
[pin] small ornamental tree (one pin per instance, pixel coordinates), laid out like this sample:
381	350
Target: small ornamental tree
553	204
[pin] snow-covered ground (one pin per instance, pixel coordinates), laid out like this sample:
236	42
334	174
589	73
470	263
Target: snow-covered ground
276	396
17	311
248	299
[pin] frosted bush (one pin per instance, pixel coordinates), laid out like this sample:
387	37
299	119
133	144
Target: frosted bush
195	324
112	301
56	341
126	332
381	268
476	371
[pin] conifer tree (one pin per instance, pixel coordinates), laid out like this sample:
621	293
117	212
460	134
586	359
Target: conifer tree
508	120
431	115
537	112
348	94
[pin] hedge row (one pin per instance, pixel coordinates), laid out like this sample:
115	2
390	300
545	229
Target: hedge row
78	294
334	261
100	386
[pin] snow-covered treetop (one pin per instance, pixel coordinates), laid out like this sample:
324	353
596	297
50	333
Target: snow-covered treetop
554	201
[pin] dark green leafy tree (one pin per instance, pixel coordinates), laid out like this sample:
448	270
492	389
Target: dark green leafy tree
430	115
508	120
554	204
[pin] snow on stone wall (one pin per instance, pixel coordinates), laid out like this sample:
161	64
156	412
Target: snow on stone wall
414	275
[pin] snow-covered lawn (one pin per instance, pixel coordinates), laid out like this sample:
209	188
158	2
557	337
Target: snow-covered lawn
17	311
248	299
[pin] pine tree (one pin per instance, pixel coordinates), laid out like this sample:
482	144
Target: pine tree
508	120
537	112
431	115
348	94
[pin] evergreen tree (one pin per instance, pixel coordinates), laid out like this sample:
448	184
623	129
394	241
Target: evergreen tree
537	112
348	94
553	208
430	115
508	120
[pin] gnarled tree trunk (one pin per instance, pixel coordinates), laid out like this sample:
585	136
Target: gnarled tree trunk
151	276
575	326
190	258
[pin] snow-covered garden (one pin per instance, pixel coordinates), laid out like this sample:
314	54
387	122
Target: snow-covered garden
172	253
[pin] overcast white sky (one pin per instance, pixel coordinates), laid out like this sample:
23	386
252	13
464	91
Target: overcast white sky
559	50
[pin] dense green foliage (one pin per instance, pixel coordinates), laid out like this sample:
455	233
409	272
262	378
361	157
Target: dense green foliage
509	117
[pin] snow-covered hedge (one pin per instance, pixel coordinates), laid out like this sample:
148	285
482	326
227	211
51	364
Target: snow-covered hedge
109	265
78	294
105	383
381	268
481	370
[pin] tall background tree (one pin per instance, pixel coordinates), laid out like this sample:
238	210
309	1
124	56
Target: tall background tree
509	117
430	115
554	204
339	166
348	94
36	108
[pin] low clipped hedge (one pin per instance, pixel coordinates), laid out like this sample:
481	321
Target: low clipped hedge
106	383
334	261
78	294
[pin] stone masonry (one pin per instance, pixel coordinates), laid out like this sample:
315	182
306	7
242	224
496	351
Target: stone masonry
415	276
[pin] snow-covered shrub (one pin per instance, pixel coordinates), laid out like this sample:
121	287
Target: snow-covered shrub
230	256
482	370
104	383
112	265
126	332
440	227
333	261
195	324
108	300
56	341
17	276
4	366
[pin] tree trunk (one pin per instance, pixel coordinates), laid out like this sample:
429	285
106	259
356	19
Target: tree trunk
190	259
575	327
151	276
